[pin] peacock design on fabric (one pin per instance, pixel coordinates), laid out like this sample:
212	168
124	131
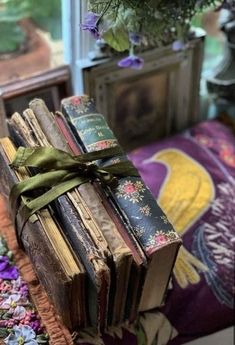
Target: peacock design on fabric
185	196
214	244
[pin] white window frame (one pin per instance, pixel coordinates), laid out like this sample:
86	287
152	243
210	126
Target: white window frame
77	43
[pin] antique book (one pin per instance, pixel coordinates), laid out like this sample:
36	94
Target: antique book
59	270
77	225
131	199
121	253
138	269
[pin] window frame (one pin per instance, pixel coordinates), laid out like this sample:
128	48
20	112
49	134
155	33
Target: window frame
77	43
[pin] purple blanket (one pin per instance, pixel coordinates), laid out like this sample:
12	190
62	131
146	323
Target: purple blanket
192	176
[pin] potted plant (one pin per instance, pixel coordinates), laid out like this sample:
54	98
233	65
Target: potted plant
138	25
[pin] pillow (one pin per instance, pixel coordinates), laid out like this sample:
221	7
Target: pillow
192	176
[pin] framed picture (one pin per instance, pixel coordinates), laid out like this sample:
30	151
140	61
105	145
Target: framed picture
145	105
51	86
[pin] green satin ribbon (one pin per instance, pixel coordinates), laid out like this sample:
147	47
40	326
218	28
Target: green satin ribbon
59	173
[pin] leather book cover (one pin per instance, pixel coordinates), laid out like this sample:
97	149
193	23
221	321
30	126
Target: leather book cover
76	149
127	310
121	253
51	273
77	235
133	200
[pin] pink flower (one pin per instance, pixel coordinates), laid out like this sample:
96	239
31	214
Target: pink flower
160	239
102	145
75	100
129	188
4	287
3	323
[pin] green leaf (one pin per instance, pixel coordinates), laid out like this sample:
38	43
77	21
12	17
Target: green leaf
3	248
42	339
7	316
117	37
3	332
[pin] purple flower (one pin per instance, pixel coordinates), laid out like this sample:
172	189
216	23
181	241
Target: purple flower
7	271
178	45
36	326
131	61
21	335
135	38
20	286
10	302
19	313
90	24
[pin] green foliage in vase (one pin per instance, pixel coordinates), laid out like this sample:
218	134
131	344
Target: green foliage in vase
158	22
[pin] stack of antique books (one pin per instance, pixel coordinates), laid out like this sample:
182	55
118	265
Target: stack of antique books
100	245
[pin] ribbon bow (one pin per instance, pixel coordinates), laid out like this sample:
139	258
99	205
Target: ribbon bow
59	173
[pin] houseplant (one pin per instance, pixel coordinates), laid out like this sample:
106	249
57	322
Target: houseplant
128	25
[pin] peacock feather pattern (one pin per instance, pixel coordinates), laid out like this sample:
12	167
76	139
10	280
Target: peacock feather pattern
214	244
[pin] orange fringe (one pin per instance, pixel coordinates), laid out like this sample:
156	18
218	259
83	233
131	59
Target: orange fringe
58	333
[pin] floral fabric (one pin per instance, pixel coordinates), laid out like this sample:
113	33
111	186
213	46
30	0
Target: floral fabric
19	321
192	176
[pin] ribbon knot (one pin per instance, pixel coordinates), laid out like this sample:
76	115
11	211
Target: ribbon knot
58	173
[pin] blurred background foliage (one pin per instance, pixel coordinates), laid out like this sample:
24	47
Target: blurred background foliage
46	14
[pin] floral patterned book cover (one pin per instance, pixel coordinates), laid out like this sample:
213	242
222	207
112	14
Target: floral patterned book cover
131	198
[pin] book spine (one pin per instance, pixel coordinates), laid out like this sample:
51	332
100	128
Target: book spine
45	263
84	248
133	199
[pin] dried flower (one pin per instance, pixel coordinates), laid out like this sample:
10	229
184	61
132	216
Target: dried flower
19	322
11	301
158	22
131	61
21	335
91	24
135	38
19	313
178	45
7	271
